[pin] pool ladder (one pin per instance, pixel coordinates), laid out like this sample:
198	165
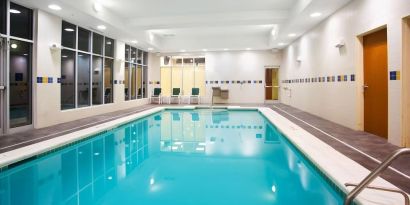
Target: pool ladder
374	174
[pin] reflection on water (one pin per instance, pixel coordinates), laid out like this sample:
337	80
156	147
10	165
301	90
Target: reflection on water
175	157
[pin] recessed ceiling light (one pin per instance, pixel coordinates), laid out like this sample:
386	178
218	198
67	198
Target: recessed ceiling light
14	46
150	49
69	29
204	49
25	54
183	50
108	42
64	56
292	35
316	14
14	11
97	7
225	49
281	44
248	49
80	55
54	7
101	27
135	41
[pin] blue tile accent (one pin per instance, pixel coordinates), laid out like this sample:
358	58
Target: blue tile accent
352	77
115	81
393	75
39	79
58	80
50	80
345	78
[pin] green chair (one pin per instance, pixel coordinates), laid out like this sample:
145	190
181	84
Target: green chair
195	94
156	95
176	93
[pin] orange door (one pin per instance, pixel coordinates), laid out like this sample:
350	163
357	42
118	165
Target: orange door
268	84
375	83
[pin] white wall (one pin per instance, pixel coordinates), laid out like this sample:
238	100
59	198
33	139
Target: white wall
240	65
46	97
340	102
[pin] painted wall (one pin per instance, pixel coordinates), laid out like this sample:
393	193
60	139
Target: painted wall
341	102
47	63
239	66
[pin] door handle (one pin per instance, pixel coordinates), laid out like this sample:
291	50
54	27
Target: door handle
365	87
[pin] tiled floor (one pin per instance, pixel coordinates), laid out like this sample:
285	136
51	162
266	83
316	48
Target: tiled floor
373	146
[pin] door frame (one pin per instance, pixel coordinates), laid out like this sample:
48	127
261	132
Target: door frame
405	88
3	94
359	62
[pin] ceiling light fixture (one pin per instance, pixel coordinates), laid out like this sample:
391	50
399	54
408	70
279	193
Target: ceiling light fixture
281	44
14	11
316	14
150	49
292	35
69	29
183	50
248	49
13	46
225	49
204	49
54	7
97	7
101	27
134	41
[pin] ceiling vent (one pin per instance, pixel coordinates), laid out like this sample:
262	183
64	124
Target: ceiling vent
168	35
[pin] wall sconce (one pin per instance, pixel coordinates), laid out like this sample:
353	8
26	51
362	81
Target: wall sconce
340	43
55	47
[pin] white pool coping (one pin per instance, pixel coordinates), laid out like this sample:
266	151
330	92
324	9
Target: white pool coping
338	167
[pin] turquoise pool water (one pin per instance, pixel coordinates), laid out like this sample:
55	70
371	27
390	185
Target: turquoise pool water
174	157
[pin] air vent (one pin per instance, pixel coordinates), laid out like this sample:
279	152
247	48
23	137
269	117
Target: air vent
169	35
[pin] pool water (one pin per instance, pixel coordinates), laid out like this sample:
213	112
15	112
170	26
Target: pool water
174	157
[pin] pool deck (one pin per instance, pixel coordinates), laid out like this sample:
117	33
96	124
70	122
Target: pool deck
364	148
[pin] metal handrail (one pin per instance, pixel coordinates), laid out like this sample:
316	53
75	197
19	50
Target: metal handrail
375	173
406	197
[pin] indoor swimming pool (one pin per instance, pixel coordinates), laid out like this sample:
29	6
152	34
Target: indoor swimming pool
175	157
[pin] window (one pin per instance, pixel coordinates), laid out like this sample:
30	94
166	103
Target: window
136	74
98	42
83	85
21	22
3	17
109	47
87	68
83	39
182	72
20	83
108	80
69	32
97	80
67	79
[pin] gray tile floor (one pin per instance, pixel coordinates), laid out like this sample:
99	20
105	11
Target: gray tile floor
372	145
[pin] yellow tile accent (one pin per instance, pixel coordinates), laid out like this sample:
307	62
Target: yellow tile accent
398	75
45	80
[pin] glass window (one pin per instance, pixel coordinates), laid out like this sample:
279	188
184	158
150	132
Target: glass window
127	52
109	47
144	81
83	85
188	61
133	81
97	86
126	81
83	39
67	79
139	57
21	21
199	61
139	82
20	83
3	16
133	55
108	79
68	37
98	41
145	61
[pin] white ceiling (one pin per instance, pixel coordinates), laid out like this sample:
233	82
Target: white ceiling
193	25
